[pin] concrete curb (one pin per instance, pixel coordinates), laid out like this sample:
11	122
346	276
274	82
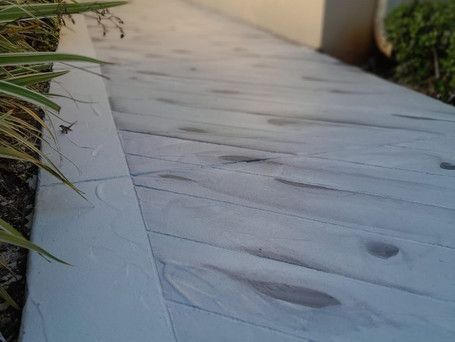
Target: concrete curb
112	291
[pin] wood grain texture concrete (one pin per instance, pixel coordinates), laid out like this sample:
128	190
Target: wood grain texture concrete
287	196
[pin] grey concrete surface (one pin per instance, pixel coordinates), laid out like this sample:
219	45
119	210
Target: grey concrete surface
286	196
111	291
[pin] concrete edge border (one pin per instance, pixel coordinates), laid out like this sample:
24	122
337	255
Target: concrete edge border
112	291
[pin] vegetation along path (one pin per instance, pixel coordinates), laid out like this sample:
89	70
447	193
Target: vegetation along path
287	196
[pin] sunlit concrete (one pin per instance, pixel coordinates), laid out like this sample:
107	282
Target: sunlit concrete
286	196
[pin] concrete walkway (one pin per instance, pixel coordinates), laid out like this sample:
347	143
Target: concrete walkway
287	196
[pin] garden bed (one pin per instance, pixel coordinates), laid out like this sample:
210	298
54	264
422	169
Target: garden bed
422	36
17	197
17	190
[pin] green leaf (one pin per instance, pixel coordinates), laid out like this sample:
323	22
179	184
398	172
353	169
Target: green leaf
43	57
44	10
12	153
38	119
27	95
7	298
22	70
27	80
10	235
7	228
24	243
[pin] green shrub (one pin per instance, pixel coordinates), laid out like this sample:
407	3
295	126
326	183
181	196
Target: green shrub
423	37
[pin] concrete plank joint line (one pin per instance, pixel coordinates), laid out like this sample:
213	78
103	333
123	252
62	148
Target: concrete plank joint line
269	193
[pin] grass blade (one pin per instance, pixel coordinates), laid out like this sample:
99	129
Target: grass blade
7	298
31	79
18	58
11	153
10	235
44	10
7	228
27	95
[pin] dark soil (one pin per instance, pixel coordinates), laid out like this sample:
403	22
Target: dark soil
377	63
17	198
17	190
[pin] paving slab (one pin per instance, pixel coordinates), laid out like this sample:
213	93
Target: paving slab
220	328
429	156
91	150
369	257
111	291
296	300
348	208
287	196
149	153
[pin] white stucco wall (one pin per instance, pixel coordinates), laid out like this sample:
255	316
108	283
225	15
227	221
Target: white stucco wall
342	28
300	21
348	28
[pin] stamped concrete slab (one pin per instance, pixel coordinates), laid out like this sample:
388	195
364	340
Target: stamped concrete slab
188	152
112	291
427	156
347	208
287	196
92	149
369	257
231	96
366	179
189	328
149	153
270	140
273	121
309	303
